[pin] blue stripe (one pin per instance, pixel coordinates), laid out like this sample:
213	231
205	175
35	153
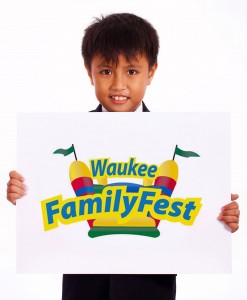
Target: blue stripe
164	189
134	187
131	187
84	190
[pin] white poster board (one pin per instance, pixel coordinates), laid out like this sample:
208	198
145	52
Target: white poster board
53	231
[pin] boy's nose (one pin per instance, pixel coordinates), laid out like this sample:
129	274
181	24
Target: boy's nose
118	83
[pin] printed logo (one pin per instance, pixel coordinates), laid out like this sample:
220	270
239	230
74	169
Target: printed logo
121	207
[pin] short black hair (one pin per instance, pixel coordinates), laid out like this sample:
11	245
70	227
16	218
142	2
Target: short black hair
120	33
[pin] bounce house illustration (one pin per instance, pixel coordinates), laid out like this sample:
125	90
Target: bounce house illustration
82	182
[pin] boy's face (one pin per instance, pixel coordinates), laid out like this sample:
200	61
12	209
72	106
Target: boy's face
121	87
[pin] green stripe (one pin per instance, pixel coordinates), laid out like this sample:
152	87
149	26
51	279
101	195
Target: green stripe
145	231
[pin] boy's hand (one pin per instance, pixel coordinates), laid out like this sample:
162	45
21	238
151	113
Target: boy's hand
230	214
16	188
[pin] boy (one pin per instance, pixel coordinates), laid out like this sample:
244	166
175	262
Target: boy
120	55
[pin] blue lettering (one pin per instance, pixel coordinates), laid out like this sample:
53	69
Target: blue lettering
188	208
176	210
117	200
132	167
145	201
111	169
142	170
68	210
92	205
160	206
128	203
99	169
51	211
152	170
108	201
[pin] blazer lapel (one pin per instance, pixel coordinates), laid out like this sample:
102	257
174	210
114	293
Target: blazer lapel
99	108
144	107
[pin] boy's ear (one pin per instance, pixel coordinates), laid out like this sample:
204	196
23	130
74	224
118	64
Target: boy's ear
89	73
152	72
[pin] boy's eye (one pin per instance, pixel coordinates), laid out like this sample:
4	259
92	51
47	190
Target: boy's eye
105	72
132	72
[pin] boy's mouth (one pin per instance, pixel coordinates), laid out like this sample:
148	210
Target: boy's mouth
119	99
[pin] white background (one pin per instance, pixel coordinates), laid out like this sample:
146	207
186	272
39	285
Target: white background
202	67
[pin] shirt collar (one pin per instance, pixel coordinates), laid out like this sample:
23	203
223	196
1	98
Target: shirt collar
139	108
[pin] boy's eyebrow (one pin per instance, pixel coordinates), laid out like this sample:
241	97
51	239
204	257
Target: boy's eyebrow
134	65
131	65
103	65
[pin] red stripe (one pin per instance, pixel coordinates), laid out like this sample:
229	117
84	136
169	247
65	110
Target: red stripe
81	182
90	223
165	181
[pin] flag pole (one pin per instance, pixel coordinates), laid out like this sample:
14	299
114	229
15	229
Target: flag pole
174	152
74	152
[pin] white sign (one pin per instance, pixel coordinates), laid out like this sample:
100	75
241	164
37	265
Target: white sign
124	193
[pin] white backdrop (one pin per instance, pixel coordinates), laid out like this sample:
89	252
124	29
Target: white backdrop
202	67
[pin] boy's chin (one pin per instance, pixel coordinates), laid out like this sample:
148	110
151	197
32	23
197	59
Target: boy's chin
121	107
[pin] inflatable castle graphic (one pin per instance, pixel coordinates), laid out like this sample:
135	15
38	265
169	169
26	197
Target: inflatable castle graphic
82	182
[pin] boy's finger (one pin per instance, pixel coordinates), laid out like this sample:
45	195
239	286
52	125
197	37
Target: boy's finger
231	212
234	197
18	183
232	205
12	197
228	219
16	190
234	226
16	175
